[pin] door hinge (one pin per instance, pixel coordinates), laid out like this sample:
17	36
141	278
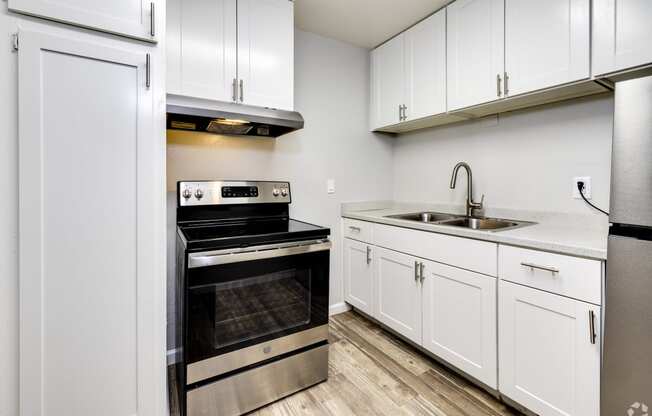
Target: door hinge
15	41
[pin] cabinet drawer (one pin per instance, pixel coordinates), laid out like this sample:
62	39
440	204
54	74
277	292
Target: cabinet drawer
556	273
465	253
358	230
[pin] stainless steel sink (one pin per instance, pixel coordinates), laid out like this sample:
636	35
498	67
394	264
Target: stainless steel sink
452	220
424	216
483	223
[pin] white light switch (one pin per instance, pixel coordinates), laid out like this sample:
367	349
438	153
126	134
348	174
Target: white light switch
330	186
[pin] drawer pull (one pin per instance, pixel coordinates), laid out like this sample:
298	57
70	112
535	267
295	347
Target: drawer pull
533	266
592	334
356	229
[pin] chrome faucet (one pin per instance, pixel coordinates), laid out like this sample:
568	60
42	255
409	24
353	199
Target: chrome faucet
470	205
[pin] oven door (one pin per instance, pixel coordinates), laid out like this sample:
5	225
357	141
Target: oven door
249	305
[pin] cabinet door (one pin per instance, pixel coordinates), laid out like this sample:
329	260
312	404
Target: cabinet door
459	320
387	62
549	362
359	275
398	293
425	67
475	52
266	53
201	48
546	43
91	222
131	18
621	34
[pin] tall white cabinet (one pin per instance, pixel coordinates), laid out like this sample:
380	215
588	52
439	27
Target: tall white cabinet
91	226
621	35
132	18
239	51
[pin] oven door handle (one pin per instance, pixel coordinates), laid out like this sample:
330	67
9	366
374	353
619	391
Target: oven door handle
216	258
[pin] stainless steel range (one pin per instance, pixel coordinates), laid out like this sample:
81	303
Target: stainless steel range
252	298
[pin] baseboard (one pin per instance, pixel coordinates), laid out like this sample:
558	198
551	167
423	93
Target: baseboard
174	356
338	308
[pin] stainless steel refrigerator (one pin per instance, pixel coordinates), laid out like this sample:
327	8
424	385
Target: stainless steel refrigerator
627	360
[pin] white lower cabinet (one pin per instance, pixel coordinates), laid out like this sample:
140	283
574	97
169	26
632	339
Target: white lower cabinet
399	293
459	319
549	351
359	275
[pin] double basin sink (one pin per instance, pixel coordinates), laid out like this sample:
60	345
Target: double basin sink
461	221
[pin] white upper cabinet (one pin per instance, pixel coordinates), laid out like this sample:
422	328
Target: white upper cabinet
425	67
131	18
549	352
399	293
201	48
409	74
388	68
459	319
90	161
232	50
359	275
266	53
622	33
475	52
547	43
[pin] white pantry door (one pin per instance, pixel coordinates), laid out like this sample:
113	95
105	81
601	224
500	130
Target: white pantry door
131	18
266	53
547	43
475	52
90	215
201	48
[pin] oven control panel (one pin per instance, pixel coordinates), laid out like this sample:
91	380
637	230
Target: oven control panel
197	193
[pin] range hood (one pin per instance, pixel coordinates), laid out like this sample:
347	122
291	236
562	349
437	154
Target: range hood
224	118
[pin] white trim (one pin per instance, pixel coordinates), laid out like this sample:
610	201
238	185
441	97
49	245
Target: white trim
173	356
338	308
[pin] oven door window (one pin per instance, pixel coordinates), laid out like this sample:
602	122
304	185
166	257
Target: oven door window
235	305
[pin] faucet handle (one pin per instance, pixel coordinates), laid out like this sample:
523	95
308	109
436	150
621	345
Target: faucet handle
481	200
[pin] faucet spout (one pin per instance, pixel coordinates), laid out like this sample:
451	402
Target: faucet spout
470	204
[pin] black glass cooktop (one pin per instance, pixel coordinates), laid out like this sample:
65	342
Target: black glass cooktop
248	233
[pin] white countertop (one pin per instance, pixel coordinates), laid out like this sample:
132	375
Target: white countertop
572	234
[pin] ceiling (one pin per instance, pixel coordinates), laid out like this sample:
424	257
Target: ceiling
365	23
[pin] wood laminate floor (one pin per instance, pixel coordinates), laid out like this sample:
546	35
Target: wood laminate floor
372	373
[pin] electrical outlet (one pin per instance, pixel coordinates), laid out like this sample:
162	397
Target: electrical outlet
330	186
587	187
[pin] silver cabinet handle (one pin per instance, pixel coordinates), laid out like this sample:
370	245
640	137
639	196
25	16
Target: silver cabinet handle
241	91
532	266
416	271
498	89
148	71
506	82
152	19
356	229
368	255
400	112
421	268
592	333
234	87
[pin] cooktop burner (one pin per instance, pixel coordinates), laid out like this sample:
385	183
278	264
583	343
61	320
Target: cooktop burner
249	232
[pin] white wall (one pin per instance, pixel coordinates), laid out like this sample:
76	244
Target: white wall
523	160
331	92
